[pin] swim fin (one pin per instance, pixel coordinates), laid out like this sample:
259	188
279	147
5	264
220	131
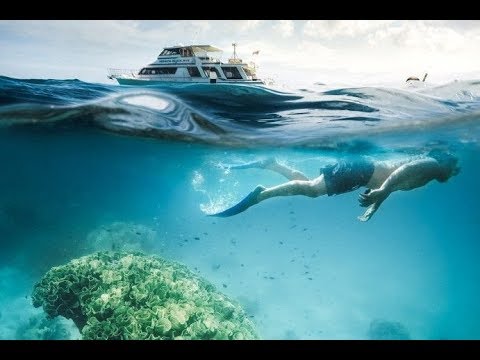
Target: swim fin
243	205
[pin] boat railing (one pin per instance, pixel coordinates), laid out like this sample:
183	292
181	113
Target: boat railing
163	77
119	72
114	73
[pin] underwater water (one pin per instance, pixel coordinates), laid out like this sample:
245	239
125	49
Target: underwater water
81	161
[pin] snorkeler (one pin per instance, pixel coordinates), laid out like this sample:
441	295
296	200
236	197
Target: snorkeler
381	178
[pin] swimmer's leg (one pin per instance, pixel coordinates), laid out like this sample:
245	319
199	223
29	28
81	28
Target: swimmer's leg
311	188
273	165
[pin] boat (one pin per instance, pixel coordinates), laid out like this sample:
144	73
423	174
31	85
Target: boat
190	64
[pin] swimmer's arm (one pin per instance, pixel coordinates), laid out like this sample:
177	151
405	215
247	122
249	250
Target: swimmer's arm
411	175
407	177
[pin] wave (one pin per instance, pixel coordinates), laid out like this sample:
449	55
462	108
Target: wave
244	115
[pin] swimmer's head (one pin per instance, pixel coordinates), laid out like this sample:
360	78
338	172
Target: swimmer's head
447	161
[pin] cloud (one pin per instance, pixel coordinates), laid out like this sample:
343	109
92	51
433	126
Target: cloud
350	28
248	25
285	27
427	35
301	56
462	25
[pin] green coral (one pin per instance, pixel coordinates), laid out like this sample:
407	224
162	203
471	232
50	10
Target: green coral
133	296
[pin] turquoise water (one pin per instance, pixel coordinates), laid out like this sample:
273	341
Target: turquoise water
79	157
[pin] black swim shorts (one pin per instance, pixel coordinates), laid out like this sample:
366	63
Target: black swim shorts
347	175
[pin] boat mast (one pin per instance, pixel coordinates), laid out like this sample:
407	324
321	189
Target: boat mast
234	59
234	51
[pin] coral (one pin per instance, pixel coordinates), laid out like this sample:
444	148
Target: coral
387	330
121	236
123	295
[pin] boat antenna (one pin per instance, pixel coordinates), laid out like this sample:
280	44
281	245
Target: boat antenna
234	51
424	77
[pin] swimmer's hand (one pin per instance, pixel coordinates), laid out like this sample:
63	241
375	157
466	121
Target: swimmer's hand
250	200
371	199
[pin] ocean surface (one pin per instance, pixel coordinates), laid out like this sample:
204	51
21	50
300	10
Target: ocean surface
82	161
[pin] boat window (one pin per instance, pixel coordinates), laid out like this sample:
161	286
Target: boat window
168	70
167	52
158	71
231	72
193	71
186	52
207	69
248	71
164	70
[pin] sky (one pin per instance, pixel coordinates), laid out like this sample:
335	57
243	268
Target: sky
290	51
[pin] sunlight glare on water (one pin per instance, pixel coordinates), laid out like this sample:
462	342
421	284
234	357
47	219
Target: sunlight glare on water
151	102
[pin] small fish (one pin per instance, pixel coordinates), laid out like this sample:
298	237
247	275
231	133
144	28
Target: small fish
224	285
138	233
196	238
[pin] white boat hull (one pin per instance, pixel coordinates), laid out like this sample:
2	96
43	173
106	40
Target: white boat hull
143	82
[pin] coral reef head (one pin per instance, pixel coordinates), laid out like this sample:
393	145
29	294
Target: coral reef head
121	295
